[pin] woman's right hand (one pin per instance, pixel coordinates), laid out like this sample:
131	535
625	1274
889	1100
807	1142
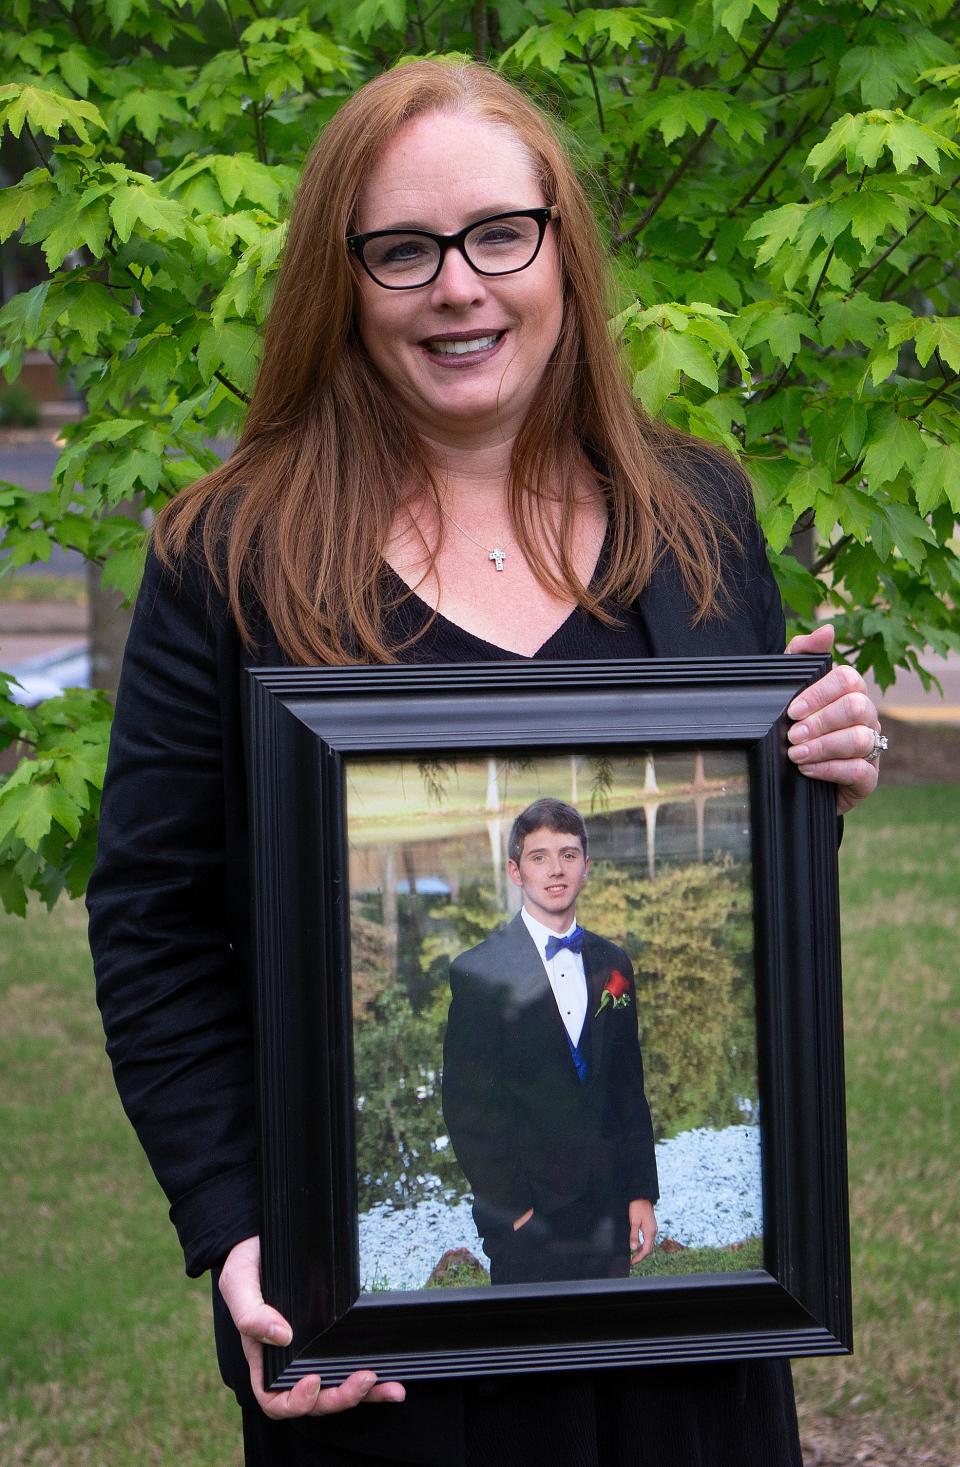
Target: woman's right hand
260	1325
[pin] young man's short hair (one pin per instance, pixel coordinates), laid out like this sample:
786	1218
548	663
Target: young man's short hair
552	815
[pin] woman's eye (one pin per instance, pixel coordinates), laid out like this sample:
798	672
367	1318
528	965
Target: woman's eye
403	253
498	235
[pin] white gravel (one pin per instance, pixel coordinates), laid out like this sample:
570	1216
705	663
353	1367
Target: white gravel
710	1196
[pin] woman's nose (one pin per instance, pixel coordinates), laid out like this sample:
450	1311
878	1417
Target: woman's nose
458	283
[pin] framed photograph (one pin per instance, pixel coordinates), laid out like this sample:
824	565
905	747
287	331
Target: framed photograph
548	1018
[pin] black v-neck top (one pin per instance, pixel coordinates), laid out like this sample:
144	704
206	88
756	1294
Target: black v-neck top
580	637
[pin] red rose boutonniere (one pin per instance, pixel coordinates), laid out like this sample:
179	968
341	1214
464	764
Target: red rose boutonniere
616	991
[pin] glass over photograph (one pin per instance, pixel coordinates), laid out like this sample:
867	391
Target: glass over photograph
553	997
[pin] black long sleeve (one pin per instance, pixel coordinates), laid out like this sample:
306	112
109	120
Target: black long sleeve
169	983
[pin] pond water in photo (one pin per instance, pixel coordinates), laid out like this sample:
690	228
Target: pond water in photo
670	881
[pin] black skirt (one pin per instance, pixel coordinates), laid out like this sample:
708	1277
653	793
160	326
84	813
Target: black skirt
727	1415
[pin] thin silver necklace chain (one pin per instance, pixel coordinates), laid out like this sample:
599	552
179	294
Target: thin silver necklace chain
497	554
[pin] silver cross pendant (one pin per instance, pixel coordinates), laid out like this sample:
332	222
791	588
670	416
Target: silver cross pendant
498	557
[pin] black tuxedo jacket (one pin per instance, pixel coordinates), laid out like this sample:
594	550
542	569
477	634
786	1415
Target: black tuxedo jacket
169	901
527	1132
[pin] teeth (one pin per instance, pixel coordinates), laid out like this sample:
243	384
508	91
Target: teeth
460	348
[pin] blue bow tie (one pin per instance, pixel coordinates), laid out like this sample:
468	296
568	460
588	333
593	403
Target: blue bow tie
574	941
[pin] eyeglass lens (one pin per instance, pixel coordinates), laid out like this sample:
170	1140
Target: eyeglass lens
495	248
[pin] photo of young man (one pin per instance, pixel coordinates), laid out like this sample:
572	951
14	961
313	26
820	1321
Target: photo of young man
543	1092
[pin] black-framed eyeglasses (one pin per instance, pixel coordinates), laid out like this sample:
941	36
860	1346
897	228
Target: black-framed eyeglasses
404	259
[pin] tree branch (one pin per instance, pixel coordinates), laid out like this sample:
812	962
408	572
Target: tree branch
945	385
422	28
802	126
72	18
859	279
829	556
623	193
694	152
231	386
668	55
37	149
896	286
255	110
480	30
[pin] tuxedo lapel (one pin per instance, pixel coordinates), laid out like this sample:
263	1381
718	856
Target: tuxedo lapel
527	975
597	972
534	998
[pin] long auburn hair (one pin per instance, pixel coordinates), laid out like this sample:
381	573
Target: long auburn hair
297	517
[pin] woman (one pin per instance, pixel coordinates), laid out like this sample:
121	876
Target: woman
441	462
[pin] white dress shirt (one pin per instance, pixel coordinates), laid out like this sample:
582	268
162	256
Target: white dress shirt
565	971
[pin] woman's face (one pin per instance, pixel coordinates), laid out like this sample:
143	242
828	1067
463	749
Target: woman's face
442	172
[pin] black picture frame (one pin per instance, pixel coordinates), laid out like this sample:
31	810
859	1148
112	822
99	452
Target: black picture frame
302	725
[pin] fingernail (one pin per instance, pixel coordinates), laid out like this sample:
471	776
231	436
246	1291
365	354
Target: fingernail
798	708
799	751
798	731
279	1334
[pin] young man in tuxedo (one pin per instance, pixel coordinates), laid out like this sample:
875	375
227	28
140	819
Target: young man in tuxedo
543	1078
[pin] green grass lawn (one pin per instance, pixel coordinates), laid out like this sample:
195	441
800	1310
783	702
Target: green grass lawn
900	870
105	1355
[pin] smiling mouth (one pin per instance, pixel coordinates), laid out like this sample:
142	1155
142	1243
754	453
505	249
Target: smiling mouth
450	347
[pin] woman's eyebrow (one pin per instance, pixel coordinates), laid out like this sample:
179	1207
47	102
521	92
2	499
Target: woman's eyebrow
473	216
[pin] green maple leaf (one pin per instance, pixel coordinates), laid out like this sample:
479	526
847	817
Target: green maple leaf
668	354
74	66
142	204
19	203
938	478
781	328
777	522
545	45
880	72
123	570
26	546
128	470
56	229
941	334
240	174
777	228
862	138
853	510
91	311
29	810
672	114
857	317
374	15
231	347
733	14
908	532
148	107
899	444
155	365
13	893
871	214
809	484
47	112
93	223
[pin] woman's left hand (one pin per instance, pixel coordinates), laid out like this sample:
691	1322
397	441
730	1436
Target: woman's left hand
834	726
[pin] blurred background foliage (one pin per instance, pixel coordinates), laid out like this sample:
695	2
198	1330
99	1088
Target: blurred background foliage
776	183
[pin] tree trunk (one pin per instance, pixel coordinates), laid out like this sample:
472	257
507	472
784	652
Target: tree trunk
109	623
480	33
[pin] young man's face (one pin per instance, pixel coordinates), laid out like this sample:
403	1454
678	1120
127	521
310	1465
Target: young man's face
551	870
